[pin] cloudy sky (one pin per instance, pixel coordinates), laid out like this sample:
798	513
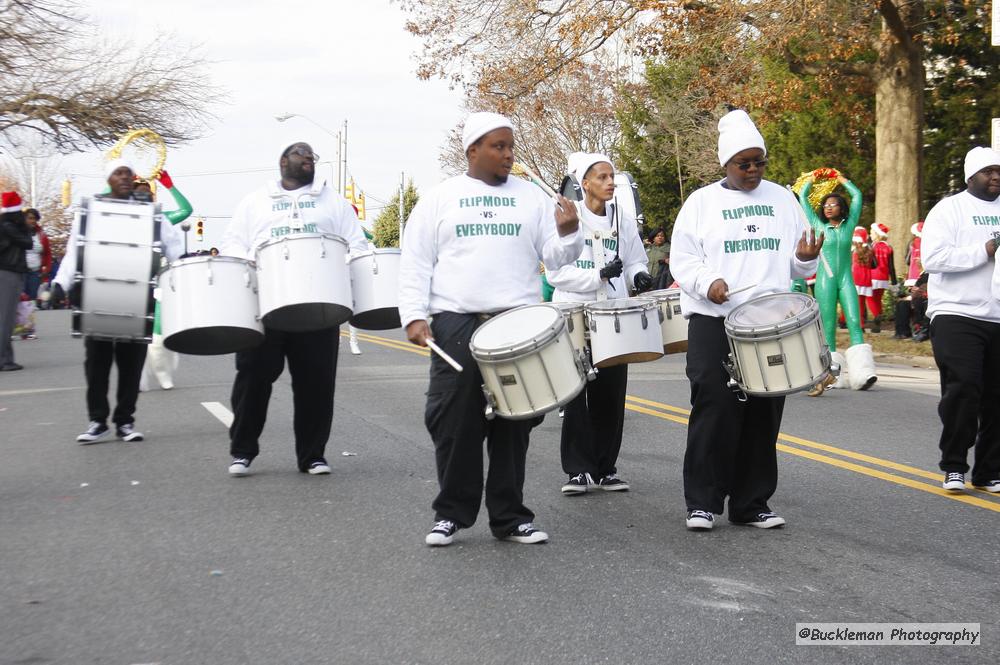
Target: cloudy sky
330	61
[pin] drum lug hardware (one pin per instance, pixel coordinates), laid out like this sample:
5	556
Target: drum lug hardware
246	279
645	323
211	278
618	325
490	403
172	287
733	382
587	365
286	251
374	266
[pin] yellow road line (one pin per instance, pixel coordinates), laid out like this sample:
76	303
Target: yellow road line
640	405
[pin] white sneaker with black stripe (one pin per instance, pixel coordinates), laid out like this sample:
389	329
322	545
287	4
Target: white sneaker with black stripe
240	466
954	481
578	484
319	468
766	520
991	486
442	533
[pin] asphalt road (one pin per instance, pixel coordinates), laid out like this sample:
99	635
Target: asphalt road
129	553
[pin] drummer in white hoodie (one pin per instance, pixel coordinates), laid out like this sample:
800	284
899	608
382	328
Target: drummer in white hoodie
613	259
294	203
958	250
470	251
741	231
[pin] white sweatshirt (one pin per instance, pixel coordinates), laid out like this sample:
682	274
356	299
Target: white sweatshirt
470	247
953	252
273	212
580	281
744	238
171	241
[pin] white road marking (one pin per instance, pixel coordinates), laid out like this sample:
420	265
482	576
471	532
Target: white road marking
224	415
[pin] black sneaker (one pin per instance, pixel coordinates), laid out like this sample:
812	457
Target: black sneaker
127	432
699	520
953	481
96	432
767	520
578	484
319	468
991	486
612	483
441	534
526	534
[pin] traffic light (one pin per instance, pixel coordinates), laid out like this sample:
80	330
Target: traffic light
359	205
199	229
67	193
349	192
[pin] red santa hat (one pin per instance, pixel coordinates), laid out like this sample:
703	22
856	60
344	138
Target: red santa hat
880	230
11	202
917	228
860	235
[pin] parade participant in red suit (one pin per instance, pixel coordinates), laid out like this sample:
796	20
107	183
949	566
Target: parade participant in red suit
883	274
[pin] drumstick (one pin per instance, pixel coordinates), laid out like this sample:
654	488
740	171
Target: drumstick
520	169
740	290
438	350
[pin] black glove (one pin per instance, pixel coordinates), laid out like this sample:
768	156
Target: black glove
643	281
75	298
58	295
613	269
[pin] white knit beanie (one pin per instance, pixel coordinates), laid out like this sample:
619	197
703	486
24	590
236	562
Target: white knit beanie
116	164
480	124
978	159
580	162
737	133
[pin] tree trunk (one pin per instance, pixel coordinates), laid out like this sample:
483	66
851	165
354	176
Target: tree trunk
899	112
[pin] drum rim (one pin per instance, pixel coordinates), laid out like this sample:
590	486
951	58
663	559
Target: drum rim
192	260
569	306
377	250
300	236
598	307
544	339
797	322
663	294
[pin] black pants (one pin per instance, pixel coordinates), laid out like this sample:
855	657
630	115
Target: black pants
967	352
312	362
98	356
592	425
456	422
903	310
731	444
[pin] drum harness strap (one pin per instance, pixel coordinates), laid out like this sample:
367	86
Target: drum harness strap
595	236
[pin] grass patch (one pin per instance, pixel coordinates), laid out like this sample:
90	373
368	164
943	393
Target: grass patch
883	342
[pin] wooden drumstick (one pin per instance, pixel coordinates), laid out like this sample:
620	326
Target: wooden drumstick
740	290
438	350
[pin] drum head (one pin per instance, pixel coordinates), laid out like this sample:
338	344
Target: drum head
663	294
772	313
517	330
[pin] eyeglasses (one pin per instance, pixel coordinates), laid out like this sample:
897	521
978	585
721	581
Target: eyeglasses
831	205
745	166
304	152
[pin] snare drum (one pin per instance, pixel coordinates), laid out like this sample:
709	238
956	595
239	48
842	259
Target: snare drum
209	305
625	330
303	282
528	362
777	345
573	314
375	286
118	252
673	325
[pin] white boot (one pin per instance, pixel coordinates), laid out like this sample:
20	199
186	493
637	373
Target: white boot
162	361
839	359
861	366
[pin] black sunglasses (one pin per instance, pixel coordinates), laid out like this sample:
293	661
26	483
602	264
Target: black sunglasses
745	166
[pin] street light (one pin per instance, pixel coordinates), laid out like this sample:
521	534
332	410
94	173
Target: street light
341	137
185	226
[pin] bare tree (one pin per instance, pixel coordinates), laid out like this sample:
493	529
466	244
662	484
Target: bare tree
78	93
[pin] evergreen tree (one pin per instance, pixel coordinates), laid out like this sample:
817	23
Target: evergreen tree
386	227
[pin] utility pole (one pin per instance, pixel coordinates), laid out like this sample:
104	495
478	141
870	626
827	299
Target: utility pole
343	157
402	191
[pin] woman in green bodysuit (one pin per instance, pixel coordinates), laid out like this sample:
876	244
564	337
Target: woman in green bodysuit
834	281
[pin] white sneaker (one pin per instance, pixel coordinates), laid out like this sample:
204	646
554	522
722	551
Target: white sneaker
355	349
954	481
442	533
992	486
319	468
699	520
240	466
95	432
526	534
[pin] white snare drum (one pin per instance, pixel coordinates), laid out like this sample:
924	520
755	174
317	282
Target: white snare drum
118	252
777	345
303	282
209	306
673	325
573	314
375	286
625	330
528	362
